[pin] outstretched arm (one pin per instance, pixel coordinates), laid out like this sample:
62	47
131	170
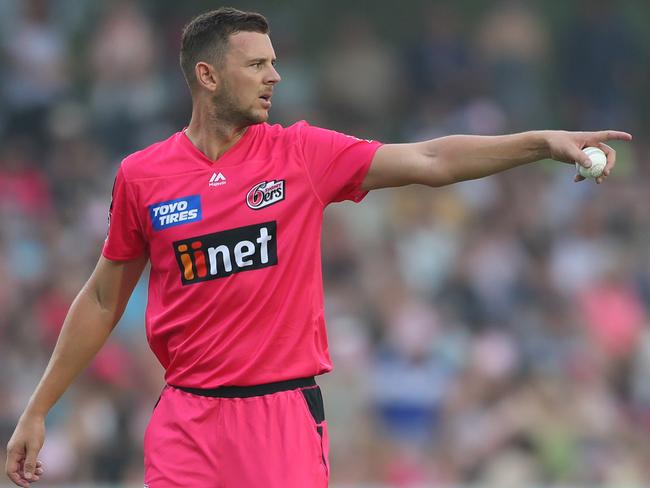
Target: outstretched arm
92	317
451	159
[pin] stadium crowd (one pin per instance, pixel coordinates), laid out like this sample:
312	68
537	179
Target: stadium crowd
493	332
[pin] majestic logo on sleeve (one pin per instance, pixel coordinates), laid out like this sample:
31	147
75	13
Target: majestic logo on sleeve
265	193
221	254
175	212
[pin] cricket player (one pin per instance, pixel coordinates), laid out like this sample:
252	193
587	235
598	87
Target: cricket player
228	213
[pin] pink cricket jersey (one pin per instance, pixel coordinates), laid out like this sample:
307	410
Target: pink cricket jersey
235	289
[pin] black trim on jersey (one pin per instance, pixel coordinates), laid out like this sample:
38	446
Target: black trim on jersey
314	399
252	391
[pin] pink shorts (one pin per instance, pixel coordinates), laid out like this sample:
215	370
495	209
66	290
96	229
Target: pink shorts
271	436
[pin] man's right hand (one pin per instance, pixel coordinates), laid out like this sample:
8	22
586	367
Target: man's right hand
90	320
22	466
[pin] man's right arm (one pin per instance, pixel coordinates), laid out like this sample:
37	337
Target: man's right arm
90	320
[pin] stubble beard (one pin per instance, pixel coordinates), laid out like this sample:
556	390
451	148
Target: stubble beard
226	110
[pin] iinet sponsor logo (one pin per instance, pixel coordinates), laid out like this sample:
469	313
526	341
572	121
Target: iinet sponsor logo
222	254
217	179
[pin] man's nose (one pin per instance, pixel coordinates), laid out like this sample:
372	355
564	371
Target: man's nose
274	76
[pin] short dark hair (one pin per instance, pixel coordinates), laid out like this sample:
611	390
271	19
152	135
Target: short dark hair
205	38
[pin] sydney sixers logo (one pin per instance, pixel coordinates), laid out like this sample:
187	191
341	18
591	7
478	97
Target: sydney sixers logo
265	193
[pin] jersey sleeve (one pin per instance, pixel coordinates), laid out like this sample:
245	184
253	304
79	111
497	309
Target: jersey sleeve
125	239
337	163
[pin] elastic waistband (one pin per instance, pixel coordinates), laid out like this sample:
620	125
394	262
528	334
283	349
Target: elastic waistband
250	391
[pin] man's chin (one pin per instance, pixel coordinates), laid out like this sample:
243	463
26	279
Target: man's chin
258	117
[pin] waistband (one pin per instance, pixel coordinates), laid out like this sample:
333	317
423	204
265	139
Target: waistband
250	391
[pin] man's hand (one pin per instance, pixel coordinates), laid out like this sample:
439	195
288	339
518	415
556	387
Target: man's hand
90	320
567	147
22	467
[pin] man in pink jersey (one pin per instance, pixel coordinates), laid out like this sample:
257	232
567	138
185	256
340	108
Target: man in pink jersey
228	212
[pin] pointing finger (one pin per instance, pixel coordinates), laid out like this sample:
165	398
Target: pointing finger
610	135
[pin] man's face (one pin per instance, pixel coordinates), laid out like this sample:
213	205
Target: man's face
247	79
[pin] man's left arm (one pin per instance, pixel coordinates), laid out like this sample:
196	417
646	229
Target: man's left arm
451	159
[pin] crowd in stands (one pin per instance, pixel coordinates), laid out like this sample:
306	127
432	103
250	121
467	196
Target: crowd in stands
493	332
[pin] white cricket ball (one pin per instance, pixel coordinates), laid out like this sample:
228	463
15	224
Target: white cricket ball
598	163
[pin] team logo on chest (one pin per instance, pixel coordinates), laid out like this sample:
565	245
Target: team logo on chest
265	193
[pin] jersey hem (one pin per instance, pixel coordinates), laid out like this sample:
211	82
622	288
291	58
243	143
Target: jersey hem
361	194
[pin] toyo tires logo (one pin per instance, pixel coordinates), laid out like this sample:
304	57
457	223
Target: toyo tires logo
265	193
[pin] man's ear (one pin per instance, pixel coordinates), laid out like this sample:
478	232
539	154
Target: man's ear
206	76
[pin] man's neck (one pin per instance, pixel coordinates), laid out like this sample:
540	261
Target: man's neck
211	136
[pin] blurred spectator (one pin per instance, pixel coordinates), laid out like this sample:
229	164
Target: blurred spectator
24	189
360	78
440	61
613	313
37	71
599	93
128	96
512	42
